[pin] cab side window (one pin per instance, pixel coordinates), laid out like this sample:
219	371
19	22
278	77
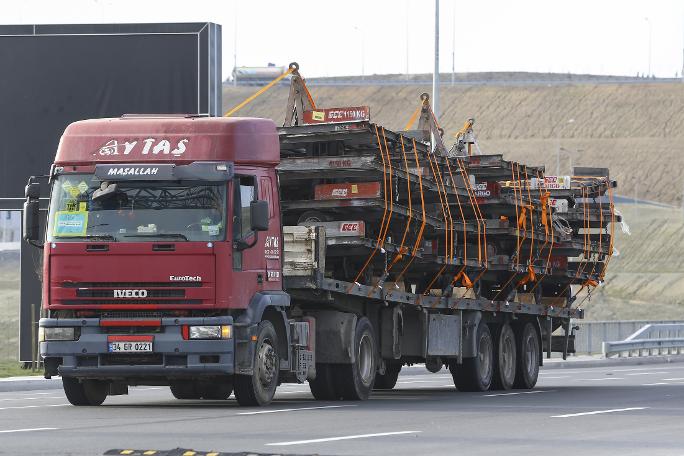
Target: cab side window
243	195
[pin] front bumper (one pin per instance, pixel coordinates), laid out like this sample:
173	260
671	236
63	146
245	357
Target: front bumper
172	356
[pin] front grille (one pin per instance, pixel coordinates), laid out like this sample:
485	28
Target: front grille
136	314
151	359
68	284
82	302
176	293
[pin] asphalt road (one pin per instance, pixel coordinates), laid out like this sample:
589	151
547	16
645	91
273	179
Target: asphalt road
625	410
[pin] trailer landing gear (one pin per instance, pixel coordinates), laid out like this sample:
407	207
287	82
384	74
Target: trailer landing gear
259	388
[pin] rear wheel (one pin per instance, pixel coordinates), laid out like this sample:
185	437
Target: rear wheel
475	374
388	380
86	392
527	370
355	381
505	359
259	388
323	386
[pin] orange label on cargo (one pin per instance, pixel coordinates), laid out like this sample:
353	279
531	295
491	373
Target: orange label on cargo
347	191
331	115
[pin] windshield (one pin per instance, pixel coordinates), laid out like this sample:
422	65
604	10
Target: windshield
83	207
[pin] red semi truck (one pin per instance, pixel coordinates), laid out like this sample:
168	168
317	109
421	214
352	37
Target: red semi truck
167	261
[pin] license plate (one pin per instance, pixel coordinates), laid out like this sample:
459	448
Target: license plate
130	347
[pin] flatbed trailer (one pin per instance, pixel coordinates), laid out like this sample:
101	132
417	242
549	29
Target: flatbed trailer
221	255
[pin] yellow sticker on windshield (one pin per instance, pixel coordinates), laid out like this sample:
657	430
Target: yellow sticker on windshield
82	206
71	205
67	186
70	223
82	187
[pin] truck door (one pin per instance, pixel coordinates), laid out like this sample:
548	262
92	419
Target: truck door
249	264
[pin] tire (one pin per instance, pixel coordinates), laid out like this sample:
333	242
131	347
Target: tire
217	391
475	374
388	380
313	217
355	381
527	371
505	361
185	389
85	393
259	388
323	386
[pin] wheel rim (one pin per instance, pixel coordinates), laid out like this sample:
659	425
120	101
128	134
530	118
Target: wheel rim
266	365
530	353
365	359
507	363
485	357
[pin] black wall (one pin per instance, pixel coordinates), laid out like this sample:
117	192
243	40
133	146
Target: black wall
53	75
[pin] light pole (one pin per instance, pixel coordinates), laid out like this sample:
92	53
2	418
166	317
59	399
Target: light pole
650	35
363	53
453	48
407	40
569	153
558	147
435	73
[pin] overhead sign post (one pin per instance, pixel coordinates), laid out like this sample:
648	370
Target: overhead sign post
63	73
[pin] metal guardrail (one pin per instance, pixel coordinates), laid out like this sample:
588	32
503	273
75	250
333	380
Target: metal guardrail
664	338
591	334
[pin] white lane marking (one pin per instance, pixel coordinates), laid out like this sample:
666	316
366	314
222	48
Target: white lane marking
346	437
655	384
648	373
419	381
31	406
519	392
673	379
261	412
598	412
293	392
600	379
560	376
30	398
647	368
7	431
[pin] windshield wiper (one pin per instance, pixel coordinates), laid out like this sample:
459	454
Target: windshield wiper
159	235
105	237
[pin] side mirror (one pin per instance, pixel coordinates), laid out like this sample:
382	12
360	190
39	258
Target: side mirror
259	215
32	191
31	220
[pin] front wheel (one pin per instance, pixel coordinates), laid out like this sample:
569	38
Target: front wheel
259	388
86	392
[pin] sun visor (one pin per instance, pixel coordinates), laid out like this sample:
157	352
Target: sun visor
200	171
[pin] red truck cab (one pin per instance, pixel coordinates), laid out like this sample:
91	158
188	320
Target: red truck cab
162	258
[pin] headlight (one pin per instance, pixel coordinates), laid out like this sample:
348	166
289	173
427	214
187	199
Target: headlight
45	334
211	332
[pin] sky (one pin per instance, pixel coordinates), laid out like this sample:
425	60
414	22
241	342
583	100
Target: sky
351	37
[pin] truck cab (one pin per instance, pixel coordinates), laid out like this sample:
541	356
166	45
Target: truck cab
162	259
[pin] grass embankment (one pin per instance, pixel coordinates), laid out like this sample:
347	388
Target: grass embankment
14	369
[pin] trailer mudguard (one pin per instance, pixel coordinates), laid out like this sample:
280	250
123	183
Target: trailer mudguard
470	321
334	336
